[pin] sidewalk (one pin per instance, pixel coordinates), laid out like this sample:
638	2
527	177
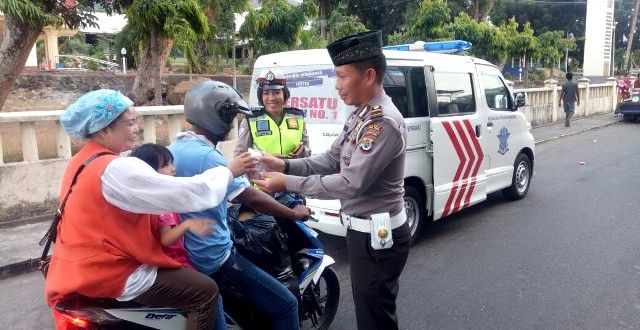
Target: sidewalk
547	133
19	249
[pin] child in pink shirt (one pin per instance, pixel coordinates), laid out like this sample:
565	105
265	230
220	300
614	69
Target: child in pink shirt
170	228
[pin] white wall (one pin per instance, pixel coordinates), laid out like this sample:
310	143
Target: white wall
598	33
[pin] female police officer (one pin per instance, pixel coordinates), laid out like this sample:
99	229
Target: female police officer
274	128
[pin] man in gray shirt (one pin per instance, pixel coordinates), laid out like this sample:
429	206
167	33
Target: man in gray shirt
571	97
364	168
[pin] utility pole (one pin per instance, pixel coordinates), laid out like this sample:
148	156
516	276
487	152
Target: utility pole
632	33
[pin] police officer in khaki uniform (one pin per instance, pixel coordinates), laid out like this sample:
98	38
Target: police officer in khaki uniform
364	168
273	128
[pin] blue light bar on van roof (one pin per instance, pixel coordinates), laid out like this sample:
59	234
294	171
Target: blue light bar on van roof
445	47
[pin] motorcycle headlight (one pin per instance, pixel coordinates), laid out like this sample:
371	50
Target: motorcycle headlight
635	99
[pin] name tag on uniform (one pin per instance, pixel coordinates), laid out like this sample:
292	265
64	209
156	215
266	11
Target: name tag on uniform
263	133
262	125
292	123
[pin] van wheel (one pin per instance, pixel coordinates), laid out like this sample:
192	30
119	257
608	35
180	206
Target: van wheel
521	179
414	206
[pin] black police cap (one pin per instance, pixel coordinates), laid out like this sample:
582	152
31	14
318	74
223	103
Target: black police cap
356	48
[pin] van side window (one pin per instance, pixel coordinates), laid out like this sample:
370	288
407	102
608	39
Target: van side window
455	93
495	92
408	90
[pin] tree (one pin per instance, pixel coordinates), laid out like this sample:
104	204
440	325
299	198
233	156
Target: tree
277	25
24	21
160	24
552	46
632	33
341	24
428	23
489	42
385	15
478	9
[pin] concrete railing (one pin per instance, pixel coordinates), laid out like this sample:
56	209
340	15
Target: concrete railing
29	141
31	186
542	103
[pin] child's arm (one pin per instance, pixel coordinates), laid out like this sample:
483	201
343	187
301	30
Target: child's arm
200	227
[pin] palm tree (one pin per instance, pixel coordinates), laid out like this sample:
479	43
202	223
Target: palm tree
277	25
161	23
24	20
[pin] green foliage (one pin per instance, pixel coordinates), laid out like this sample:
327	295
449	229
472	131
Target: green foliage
130	40
552	46
37	13
277	25
428	23
340	24
489	42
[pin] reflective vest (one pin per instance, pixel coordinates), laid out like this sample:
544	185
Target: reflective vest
276	139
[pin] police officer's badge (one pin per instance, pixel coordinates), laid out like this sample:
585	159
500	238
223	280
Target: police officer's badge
503	137
366	144
270	76
292	123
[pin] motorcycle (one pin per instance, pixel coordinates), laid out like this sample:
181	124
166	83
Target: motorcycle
315	284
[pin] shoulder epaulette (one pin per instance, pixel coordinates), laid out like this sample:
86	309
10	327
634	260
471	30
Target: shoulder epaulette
294	111
256	112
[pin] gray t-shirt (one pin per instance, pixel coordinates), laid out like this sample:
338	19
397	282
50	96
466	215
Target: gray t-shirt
570	89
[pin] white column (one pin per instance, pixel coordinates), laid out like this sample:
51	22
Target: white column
32	60
29	141
63	143
174	126
614	92
149	129
552	84
584	99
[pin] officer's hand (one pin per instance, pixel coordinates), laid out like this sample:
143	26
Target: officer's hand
242	164
300	212
272	182
271	163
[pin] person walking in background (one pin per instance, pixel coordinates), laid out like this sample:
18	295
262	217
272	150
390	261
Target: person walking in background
570	97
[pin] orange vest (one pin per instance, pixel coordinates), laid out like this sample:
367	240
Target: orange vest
98	244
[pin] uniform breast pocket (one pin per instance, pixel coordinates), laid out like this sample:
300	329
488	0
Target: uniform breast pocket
348	147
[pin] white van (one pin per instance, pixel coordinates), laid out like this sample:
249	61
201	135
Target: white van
466	138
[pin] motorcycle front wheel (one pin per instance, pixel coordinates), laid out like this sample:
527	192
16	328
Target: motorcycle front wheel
320	301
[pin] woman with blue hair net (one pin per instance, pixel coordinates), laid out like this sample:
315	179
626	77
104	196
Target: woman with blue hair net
106	244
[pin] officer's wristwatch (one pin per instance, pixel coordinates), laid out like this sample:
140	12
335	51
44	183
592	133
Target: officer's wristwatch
286	166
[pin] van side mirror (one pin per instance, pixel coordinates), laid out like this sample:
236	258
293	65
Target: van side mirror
520	99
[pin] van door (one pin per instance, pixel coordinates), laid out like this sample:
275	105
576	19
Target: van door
504	128
457	138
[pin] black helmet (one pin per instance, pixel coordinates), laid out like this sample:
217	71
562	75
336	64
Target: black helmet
212	106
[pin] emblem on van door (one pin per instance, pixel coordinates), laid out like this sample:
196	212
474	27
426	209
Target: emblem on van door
503	137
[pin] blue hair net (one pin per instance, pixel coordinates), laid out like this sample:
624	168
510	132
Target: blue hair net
93	111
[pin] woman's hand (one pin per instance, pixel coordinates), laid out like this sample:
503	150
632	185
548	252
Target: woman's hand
200	227
242	164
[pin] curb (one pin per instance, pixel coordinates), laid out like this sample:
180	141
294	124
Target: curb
27	266
577	132
19	268
25	221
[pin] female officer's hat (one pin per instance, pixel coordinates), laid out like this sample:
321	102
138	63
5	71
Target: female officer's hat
271	79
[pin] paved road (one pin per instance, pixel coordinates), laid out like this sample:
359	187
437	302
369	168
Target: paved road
566	257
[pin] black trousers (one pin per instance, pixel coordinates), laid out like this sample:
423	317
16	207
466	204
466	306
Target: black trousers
374	278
